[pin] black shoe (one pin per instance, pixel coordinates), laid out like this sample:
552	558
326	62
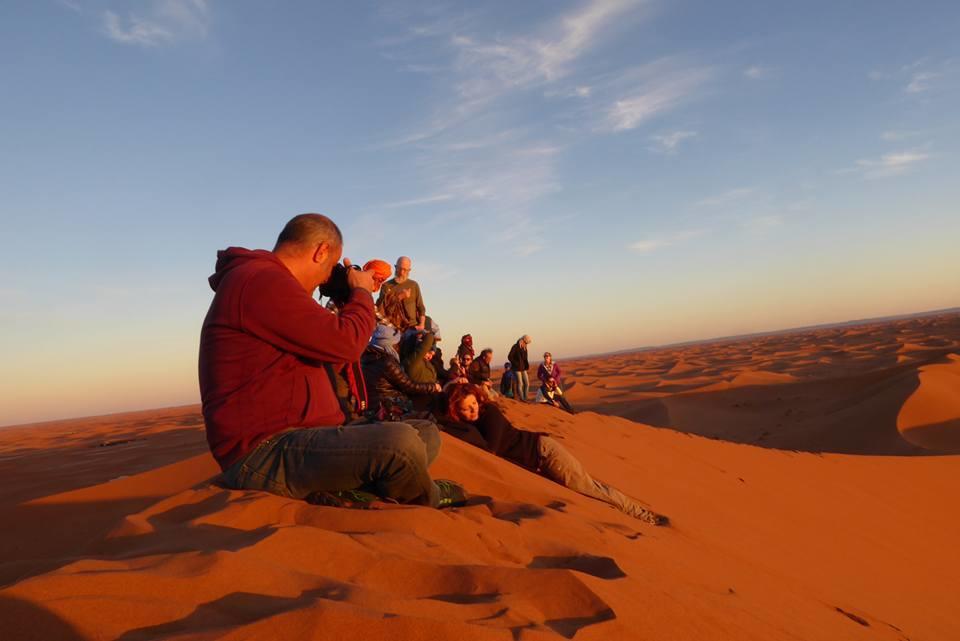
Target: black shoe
655	519
451	494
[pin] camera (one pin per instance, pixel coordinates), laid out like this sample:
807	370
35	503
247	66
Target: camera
336	288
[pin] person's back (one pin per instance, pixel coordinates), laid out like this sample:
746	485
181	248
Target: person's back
259	333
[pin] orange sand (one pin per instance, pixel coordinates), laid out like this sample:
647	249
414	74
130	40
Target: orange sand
111	529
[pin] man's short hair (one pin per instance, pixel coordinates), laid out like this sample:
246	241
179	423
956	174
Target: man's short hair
310	229
485	352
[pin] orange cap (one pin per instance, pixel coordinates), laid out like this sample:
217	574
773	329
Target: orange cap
381	270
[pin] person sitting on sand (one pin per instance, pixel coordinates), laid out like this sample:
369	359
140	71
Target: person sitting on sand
520	365
466	346
266	352
472	418
416	352
508	382
456	370
549	368
466	360
389	389
551	394
479	371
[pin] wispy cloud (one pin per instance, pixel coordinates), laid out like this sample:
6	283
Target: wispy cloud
921	81
649	245
164	23
495	67
894	135
664	88
892	164
727	196
425	200
668	143
759	224
919	77
757	72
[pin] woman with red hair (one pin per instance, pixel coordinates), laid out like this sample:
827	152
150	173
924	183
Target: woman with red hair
473	418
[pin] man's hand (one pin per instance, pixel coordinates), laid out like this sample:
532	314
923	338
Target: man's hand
437	388
359	279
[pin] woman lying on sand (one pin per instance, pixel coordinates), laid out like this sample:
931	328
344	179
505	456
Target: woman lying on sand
474	419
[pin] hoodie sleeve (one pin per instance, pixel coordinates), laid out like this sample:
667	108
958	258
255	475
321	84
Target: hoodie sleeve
277	310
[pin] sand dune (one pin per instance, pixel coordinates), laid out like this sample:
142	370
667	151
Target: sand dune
115	527
931	416
856	390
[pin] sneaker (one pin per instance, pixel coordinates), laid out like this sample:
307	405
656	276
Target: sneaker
653	518
451	494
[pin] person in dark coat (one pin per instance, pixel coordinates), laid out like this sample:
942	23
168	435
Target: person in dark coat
508	382
474	419
479	370
520	364
389	389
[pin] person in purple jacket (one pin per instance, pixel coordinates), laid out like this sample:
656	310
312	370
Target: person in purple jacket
548	368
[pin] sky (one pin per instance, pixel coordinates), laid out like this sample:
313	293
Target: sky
599	174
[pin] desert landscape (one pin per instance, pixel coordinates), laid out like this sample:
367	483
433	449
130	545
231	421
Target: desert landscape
810	477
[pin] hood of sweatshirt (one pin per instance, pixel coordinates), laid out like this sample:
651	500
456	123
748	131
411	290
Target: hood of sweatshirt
234	257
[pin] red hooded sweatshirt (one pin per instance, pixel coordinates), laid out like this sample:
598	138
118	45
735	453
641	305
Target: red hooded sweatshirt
263	347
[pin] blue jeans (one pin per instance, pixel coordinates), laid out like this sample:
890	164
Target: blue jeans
523	385
387	459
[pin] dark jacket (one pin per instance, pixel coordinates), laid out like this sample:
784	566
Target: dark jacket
508	383
412	353
437	363
494	433
387	384
264	345
518	358
479	372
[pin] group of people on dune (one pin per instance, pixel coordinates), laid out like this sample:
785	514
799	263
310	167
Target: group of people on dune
344	403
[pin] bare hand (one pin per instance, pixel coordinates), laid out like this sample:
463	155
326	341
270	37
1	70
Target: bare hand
437	388
361	280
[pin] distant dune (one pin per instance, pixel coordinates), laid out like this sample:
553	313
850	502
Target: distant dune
821	505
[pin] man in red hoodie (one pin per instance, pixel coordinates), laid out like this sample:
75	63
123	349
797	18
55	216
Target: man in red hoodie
268	351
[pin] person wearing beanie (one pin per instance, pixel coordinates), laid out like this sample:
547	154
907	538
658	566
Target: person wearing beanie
389	390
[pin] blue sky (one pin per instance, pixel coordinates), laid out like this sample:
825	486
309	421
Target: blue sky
598	174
